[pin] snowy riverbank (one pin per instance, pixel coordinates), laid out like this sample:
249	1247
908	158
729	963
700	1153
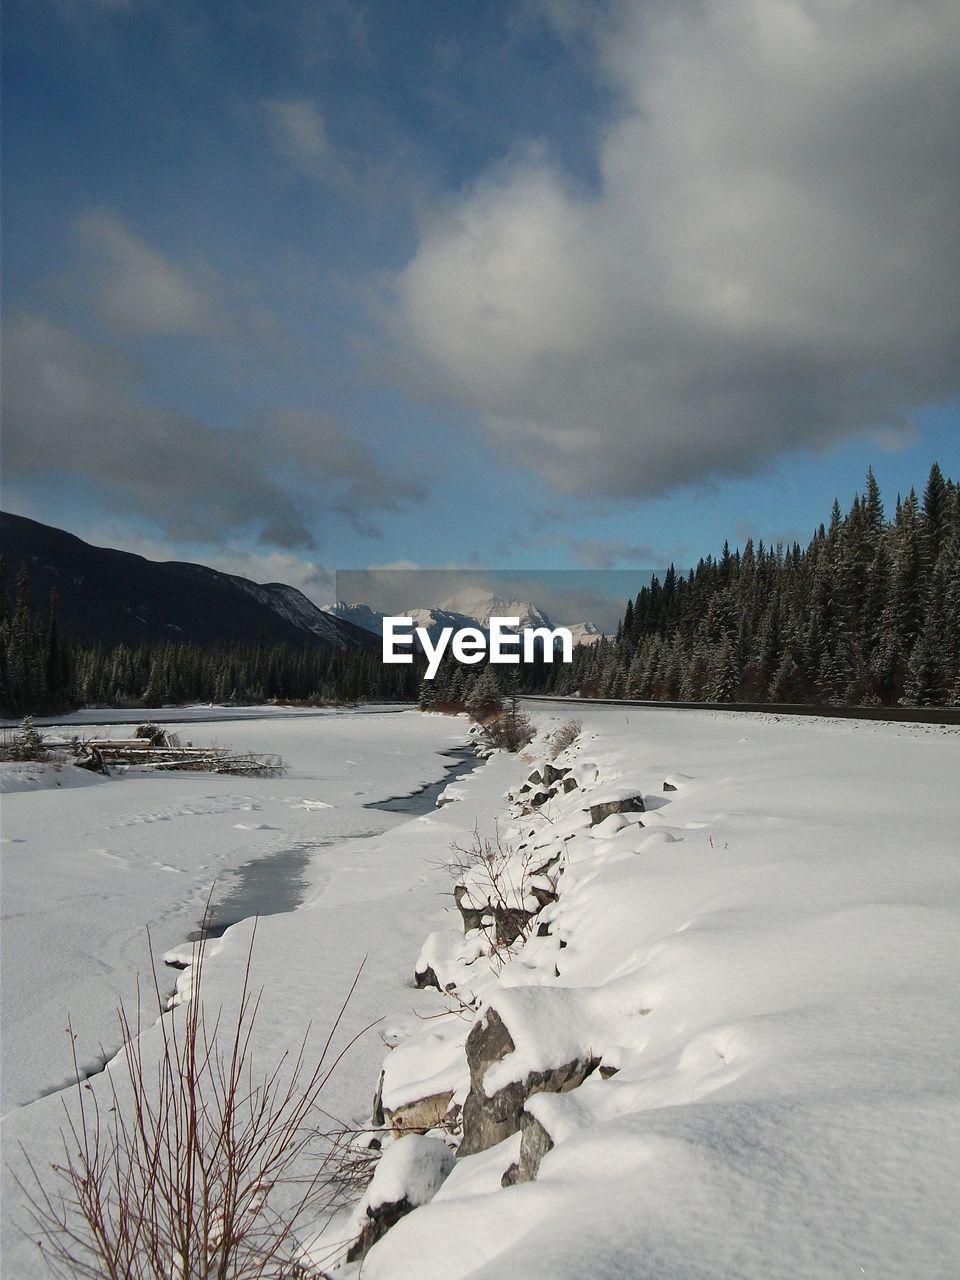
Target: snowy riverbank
759	980
758	984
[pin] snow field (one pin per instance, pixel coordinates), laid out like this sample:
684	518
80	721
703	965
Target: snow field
85	869
765	971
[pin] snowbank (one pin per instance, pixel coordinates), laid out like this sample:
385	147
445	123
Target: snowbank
763	975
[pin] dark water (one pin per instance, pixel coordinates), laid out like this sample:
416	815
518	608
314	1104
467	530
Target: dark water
463	760
274	884
265	886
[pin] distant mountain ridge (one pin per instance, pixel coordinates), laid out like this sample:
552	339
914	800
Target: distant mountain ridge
115	597
468	609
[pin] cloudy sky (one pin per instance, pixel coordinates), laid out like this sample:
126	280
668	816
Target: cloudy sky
298	285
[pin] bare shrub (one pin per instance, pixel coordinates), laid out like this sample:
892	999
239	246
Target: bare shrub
152	733
564	737
498	881
193	1167
511	730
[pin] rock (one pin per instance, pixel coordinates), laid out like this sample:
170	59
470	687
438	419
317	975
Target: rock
472	916
538	798
545	866
420	1115
487	1121
543	895
426	978
569	784
536	776
510	923
616	800
409	1174
535	1142
552	774
614	824
668	786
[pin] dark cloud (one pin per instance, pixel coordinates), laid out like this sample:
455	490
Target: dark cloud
771	263
75	408
603	553
137	290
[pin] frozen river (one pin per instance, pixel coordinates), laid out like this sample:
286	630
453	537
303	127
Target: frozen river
89	864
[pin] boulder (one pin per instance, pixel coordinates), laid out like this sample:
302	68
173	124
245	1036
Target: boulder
488	1120
426	978
615	800
421	1115
536	776
552	774
510	923
569	784
543	893
535	1142
668	786
409	1174
544	867
472	916
537	798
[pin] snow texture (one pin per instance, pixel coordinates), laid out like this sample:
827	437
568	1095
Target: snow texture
766	971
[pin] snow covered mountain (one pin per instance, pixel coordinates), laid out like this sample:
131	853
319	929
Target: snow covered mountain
585	633
466	609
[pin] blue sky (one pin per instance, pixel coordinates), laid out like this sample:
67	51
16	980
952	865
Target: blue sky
297	286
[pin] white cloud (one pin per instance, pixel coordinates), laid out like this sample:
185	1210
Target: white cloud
314	580
770	263
297	130
139	291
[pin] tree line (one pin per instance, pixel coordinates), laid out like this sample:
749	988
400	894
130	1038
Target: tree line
44	671
867	614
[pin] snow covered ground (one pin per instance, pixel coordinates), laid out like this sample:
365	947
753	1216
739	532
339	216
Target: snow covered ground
770	966
765	972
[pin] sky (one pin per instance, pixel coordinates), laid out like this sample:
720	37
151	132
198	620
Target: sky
310	285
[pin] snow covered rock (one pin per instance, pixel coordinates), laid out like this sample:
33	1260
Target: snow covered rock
426	977
622	799
489	1117
409	1174
552	774
535	1142
445	959
472	915
586	773
421	1115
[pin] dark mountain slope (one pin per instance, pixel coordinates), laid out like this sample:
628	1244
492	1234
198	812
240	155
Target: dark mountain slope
113	597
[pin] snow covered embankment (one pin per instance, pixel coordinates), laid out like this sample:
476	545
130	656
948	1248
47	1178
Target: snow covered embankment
694	1023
